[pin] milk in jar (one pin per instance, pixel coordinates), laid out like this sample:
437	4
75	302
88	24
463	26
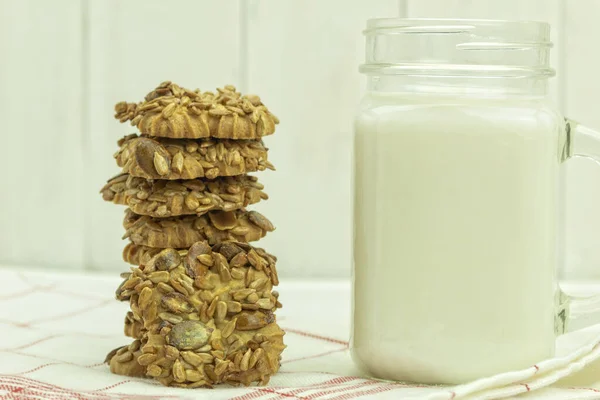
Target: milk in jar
455	235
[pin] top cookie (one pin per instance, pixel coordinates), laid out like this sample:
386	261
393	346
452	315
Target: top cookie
174	112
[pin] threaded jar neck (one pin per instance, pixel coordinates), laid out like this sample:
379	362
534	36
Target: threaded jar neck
459	53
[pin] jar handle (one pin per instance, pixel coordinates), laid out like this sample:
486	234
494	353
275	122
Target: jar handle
577	312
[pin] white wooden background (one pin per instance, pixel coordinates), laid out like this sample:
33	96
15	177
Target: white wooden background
66	62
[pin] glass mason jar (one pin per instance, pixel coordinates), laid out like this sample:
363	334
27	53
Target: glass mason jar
458	199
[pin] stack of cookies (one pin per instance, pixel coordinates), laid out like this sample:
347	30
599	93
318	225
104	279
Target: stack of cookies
201	297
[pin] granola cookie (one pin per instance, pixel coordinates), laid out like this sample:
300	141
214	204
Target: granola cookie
206	315
183	231
160	158
178	113
123	360
160	198
136	254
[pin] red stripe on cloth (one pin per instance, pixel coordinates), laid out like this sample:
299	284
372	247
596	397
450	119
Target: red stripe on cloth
536	368
27	384
581	388
315	336
73	313
95	335
27	292
526	386
113	386
315	356
17	393
332	383
57	363
339	390
366	383
338	381
13	323
37	368
249	396
32	343
285	395
59	317
74	333
264	392
259	392
354	395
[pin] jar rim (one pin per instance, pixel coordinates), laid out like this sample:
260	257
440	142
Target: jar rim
430	23
439	46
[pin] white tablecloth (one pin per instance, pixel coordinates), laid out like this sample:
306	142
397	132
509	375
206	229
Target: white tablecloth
56	328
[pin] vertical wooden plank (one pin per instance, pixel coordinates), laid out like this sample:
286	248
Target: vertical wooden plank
532	10
40	99
303	61
135	45
582	63
403	8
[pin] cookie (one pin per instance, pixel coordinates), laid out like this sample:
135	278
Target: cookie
207	315
136	254
123	360
133	327
160	198
181	232
174	112
156	158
